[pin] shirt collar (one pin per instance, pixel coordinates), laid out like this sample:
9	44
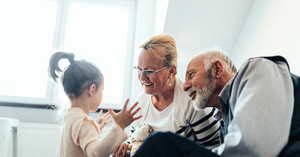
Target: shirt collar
225	93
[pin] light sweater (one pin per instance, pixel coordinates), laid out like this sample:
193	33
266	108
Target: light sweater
180	117
261	102
80	136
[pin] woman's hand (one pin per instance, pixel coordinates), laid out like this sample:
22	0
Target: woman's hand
125	117
121	151
102	121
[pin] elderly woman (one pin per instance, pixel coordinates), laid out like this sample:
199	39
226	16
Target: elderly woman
164	104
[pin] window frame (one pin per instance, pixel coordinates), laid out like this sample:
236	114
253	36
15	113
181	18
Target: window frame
52	89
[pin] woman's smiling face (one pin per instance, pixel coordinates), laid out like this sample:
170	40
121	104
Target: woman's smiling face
152	85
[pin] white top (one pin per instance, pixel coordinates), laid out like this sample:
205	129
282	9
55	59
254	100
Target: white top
160	120
80	136
180	117
261	101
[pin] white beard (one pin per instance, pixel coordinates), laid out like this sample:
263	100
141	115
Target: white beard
203	95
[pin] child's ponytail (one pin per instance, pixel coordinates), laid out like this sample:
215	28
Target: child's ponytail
79	75
54	60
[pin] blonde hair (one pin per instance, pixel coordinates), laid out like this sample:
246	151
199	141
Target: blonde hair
216	53
163	46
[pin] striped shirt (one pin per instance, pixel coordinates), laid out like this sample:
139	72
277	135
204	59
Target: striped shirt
180	117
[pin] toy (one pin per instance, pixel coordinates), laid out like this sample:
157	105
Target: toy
141	132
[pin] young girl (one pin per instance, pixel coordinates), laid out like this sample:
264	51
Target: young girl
80	134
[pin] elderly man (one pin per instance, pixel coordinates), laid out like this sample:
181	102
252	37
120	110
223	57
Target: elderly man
259	108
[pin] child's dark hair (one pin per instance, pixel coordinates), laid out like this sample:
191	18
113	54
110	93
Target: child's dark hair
79	75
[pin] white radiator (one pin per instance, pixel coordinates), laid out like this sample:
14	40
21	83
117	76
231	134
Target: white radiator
40	139
37	139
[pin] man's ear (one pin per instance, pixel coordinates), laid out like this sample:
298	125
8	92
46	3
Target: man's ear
92	90
172	71
217	69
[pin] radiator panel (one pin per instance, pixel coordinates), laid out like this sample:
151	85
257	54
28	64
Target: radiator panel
37	139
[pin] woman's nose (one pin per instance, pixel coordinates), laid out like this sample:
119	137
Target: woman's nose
142	77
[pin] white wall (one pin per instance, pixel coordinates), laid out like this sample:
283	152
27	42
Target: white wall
201	24
272	28
244	29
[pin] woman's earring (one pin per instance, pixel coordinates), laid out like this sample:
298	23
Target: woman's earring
170	84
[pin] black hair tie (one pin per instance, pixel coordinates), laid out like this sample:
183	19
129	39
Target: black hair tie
71	58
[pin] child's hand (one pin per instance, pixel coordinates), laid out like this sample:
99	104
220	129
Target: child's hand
102	121
125	117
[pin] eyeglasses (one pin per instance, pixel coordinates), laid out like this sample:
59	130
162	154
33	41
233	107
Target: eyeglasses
147	73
